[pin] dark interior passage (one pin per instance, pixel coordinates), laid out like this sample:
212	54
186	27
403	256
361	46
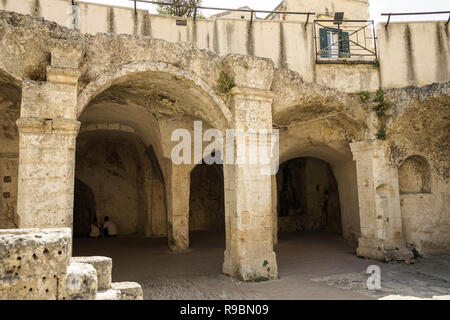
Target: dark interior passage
308	197
84	209
206	201
125	182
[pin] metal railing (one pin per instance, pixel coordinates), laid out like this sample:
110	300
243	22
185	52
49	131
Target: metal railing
351	41
251	11
412	14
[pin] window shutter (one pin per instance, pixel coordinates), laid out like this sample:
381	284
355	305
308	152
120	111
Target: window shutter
323	42
344	45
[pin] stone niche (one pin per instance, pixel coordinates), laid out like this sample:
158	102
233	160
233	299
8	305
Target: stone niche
414	176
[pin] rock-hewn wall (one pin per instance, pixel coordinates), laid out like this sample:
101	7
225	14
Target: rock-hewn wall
10	95
420	129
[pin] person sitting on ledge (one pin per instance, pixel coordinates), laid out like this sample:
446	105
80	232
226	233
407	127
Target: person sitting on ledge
109	228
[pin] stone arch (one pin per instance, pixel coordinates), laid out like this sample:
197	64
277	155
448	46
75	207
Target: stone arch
124	72
414	175
337	154
6	76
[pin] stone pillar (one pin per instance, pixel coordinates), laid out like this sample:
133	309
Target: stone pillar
248	202
46	172
379	203
47	139
274	210
178	191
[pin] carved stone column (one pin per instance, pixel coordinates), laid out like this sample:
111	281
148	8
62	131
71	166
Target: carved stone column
379	203
46	172
47	138
248	195
178	190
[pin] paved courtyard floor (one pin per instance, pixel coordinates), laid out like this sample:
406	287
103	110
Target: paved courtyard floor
311	266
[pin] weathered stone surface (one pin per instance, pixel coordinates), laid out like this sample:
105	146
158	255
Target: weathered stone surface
33	262
36	287
109	294
128	290
103	266
34	252
80	282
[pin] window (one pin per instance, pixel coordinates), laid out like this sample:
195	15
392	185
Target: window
334	43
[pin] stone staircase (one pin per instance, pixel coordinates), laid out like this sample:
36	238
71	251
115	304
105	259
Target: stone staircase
36	264
82	268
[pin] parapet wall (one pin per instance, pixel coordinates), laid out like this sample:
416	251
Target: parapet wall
408	53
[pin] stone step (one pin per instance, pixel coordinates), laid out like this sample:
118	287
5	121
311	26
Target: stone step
109	294
128	290
103	266
80	282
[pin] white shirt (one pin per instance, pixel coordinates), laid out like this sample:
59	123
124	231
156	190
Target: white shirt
95	231
111	227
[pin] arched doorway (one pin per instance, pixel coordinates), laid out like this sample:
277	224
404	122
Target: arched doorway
206	204
124	155
308	197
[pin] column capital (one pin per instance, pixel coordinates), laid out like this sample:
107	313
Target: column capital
46	126
367	146
66	54
253	94
63	75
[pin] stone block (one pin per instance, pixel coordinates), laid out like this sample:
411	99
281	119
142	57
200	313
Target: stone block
29	288
103	266
80	282
34	253
128	290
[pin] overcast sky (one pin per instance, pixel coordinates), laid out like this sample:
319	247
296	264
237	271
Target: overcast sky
376	6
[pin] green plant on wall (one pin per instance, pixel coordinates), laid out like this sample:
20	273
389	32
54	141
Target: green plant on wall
38	72
381	109
225	82
364	95
376	64
262	279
